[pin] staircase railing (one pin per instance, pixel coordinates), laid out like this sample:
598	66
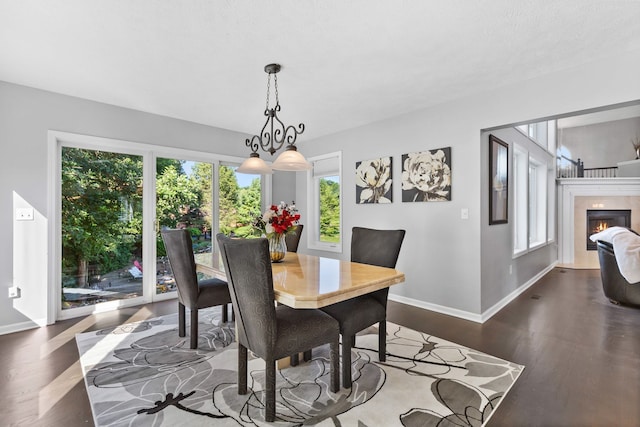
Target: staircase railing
569	168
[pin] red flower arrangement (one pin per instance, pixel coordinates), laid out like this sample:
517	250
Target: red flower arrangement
280	219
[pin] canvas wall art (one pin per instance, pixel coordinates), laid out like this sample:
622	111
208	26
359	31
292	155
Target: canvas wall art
374	181
426	176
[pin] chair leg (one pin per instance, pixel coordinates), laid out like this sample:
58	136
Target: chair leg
294	360
334	348
382	341
242	369
346	361
181	320
194	328
270	391
225	314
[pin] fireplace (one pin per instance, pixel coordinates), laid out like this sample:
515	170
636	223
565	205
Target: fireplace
598	220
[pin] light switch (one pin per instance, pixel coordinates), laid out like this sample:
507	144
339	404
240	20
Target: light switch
24	214
464	213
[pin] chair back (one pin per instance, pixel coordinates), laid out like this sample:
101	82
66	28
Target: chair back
376	247
179	247
293	238
248	268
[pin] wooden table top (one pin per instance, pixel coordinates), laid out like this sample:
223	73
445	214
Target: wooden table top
308	281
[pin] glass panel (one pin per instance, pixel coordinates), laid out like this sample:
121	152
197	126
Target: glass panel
240	201
101	224
520	201
330	209
183	200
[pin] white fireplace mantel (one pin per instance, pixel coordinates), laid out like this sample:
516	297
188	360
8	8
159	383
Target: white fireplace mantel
569	189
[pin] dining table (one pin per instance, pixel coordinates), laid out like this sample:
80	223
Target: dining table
310	281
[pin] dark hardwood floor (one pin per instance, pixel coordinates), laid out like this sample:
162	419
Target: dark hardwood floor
582	357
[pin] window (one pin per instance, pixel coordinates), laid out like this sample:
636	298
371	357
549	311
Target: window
324	203
110	200
520	200
240	201
542	133
537	203
531	191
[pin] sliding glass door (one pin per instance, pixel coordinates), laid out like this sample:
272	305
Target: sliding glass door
111	200
240	201
101	226
184	199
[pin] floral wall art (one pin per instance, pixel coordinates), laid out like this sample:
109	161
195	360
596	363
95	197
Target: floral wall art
373	181
426	176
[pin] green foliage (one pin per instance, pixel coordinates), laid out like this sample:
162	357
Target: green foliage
228	202
249	203
163	163
178	199
329	210
101	210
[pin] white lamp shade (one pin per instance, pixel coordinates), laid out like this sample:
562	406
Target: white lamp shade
291	160
254	165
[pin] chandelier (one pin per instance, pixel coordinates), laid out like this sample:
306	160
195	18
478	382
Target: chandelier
273	136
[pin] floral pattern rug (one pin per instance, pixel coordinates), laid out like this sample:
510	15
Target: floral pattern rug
143	374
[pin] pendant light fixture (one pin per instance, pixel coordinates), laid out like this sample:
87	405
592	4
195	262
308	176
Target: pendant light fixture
273	136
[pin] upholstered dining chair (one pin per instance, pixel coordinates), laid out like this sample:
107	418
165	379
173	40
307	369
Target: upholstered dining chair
269	331
374	247
192	293
292	238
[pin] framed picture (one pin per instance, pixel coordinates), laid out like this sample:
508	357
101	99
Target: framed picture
498	181
373	181
426	176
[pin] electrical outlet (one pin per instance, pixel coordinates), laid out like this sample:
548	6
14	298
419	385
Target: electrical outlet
14	292
24	214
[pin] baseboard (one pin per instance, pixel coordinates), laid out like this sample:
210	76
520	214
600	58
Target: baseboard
474	317
22	326
437	308
487	314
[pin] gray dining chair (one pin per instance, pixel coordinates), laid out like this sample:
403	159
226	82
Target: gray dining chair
374	247
292	238
192	293
271	332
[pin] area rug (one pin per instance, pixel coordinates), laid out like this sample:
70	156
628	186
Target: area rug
143	374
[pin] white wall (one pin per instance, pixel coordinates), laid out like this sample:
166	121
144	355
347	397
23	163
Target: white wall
25	117
602	145
502	275
441	255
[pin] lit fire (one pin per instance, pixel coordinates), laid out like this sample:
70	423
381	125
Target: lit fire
601	226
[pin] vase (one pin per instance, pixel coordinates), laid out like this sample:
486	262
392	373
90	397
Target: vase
277	246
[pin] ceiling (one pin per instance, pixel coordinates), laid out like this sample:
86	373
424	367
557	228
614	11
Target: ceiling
344	63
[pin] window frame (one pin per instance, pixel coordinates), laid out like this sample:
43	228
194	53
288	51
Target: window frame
531	195
538	196
150	152
313	204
